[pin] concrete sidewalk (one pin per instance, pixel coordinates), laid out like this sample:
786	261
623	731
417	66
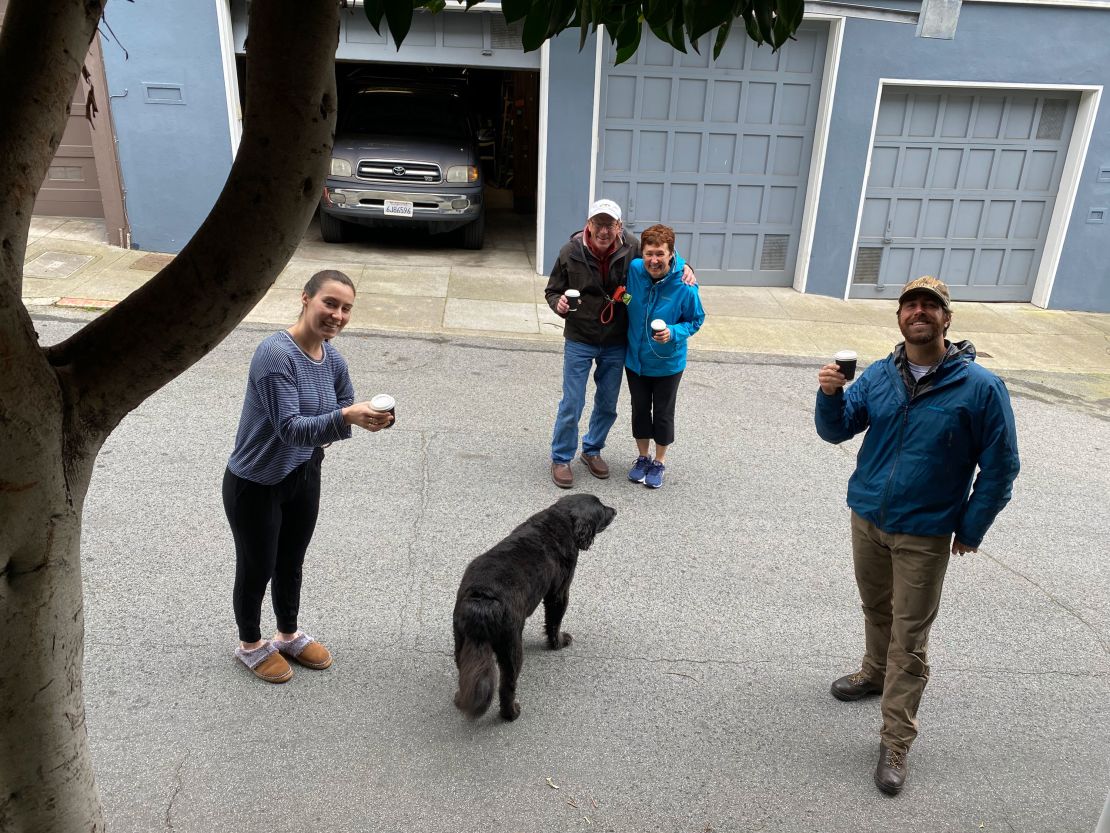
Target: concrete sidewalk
408	286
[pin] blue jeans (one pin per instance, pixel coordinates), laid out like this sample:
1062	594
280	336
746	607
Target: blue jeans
577	360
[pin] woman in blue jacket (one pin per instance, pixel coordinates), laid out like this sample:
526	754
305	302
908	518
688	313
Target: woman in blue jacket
656	358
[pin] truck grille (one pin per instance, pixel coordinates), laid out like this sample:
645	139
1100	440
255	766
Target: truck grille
384	170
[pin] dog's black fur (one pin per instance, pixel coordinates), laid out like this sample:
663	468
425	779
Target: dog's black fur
502	587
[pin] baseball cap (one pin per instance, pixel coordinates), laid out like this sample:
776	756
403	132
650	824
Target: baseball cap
928	284
604	207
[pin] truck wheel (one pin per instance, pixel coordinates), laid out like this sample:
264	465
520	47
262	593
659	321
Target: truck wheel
474	235
331	229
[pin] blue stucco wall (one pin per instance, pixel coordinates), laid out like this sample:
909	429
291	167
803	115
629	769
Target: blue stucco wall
994	43
569	125
174	157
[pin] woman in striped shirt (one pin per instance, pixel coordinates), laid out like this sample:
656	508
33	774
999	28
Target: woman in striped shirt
299	398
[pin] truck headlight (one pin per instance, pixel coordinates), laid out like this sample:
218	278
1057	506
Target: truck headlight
340	167
462	173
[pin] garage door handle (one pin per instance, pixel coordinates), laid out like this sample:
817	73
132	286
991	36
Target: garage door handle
887	236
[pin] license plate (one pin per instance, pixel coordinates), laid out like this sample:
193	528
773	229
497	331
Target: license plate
398	208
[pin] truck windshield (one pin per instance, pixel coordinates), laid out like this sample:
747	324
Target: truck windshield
406	113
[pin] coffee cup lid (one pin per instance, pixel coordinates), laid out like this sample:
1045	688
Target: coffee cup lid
382	402
845	354
572	293
658	324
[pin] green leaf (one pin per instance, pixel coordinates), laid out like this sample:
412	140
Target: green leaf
374	11
792	11
765	18
722	37
628	40
515	10
751	26
703	16
399	17
535	27
678	35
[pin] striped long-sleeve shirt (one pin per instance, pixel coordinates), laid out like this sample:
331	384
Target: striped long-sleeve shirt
293	404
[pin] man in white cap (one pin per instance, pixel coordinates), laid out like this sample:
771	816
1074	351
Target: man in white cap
932	416
594	262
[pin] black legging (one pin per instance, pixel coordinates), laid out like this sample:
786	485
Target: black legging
653	401
272	526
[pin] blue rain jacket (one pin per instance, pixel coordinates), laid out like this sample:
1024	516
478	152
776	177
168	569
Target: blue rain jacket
914	469
670	299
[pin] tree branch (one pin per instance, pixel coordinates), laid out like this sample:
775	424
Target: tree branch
177	317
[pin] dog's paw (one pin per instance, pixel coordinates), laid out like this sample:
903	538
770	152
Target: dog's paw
561	641
511	713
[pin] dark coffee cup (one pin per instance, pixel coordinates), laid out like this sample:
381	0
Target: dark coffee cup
573	298
846	361
386	404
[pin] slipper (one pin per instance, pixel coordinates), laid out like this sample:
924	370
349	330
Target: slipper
305	650
266	663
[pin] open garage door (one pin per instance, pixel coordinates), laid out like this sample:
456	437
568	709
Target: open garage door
403	171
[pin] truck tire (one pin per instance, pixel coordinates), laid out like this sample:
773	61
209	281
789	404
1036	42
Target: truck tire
474	234
331	229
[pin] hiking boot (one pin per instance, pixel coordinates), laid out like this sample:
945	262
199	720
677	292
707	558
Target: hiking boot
855	687
561	475
890	772
639	469
653	477
598	467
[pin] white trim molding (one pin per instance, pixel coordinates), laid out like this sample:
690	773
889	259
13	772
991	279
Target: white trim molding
595	129
1069	179
1054	242
231	75
541	152
833	45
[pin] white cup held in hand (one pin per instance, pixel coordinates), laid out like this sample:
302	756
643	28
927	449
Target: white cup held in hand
386	404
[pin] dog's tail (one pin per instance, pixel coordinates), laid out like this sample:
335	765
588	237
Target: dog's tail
476	678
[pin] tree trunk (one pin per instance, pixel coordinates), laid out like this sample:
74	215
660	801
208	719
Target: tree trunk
58	405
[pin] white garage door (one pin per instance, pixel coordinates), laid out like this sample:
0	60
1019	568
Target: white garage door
718	150
962	185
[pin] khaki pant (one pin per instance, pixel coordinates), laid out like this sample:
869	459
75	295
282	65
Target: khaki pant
899	578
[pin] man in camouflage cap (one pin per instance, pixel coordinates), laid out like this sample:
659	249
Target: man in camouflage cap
931	416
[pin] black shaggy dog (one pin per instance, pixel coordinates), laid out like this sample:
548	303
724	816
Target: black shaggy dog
502	587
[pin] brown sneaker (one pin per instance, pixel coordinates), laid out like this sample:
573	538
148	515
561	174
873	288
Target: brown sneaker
561	475
306	651
598	467
266	663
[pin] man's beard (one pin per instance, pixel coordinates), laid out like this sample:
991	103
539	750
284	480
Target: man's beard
920	336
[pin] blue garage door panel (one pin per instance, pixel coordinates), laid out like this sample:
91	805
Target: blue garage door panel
962	185
719	150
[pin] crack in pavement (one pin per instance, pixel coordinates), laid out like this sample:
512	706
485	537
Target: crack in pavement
426	438
1071	611
168	819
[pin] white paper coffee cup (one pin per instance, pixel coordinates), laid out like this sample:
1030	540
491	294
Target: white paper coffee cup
386	404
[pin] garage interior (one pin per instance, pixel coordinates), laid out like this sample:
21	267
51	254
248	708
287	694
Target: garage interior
504	100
